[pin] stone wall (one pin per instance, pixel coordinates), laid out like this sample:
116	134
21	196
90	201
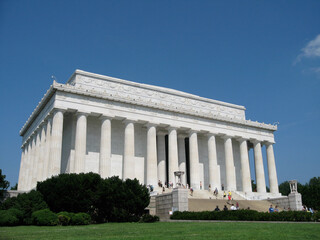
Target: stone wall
177	200
293	201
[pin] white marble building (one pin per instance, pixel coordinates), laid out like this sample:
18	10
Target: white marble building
110	126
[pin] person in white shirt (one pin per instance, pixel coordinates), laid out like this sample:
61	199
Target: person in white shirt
233	207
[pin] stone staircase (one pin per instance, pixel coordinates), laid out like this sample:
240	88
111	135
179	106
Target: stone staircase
205	194
203	200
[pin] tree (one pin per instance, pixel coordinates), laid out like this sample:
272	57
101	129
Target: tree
27	203
284	188
311	193
121	201
4	184
15	187
70	192
254	186
104	199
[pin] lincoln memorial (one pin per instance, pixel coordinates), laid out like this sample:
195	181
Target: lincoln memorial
110	126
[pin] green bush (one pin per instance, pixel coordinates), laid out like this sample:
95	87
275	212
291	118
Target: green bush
70	192
247	215
81	219
27	203
120	201
11	217
106	200
64	220
147	218
44	217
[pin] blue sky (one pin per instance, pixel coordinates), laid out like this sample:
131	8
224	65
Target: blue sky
264	55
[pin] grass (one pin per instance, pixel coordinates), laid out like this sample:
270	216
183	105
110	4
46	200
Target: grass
168	230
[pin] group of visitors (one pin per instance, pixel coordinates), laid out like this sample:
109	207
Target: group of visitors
306	209
225	208
229	195
271	209
166	185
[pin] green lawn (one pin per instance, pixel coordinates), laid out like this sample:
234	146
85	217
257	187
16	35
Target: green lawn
168	230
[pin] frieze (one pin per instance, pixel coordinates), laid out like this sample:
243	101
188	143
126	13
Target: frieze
156	97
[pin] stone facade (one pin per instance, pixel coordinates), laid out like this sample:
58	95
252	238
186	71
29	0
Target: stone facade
110	126
177	200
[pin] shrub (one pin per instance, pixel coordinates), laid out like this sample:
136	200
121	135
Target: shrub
104	199
120	201
147	218
11	217
63	220
27	203
44	218
70	192
81	219
69	214
246	215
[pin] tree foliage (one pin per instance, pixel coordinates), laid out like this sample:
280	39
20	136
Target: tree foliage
4	184
27	203
120	201
70	192
104	199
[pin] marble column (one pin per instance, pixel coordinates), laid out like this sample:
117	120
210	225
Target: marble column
46	165
40	170
173	154
36	159
161	151
105	148
32	161
128	158
182	158
245	166
56	142
22	169
273	179
230	168
29	166
214	168
194	160
80	143
259	169
152	171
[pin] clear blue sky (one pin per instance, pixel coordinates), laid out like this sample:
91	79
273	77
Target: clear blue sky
264	55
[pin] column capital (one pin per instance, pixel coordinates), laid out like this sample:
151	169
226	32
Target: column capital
267	143
54	110
241	139
210	134
127	121
80	113
104	117
254	140
192	131
226	137
150	124
170	128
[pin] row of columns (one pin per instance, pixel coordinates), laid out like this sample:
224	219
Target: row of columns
41	156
